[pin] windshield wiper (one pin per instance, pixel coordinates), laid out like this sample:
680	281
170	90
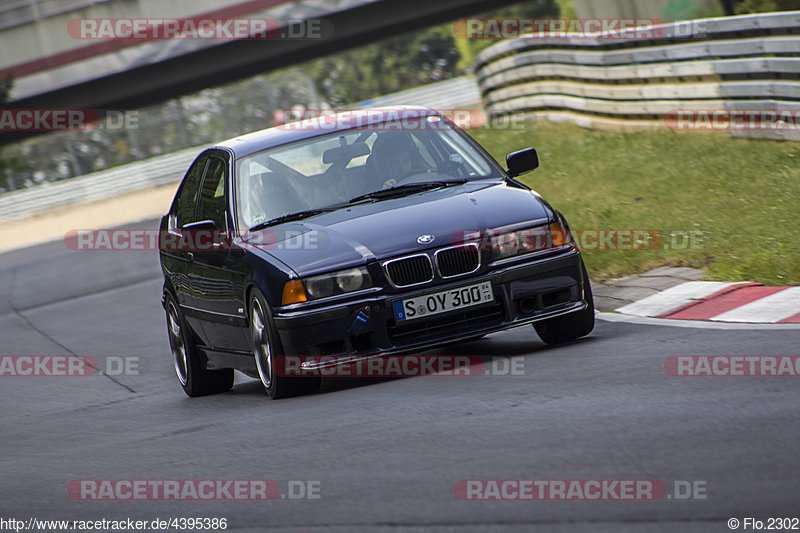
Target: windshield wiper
293	216
408	188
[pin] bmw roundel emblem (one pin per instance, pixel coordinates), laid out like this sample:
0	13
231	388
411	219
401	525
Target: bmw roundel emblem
425	239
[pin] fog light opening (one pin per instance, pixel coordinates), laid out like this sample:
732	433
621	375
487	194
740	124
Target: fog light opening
527	305
556	298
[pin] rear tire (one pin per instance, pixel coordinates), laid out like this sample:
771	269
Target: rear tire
187	360
267	350
569	327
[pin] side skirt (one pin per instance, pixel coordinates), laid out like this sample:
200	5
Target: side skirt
218	359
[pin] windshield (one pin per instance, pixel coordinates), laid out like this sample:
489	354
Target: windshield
333	169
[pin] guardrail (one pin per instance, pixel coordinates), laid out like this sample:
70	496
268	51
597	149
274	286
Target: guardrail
732	64
455	93
98	185
448	94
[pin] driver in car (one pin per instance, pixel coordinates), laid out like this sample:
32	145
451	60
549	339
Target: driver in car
394	157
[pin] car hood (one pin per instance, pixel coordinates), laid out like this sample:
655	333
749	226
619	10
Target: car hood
390	228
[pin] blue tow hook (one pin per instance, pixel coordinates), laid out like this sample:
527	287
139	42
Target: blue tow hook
358	323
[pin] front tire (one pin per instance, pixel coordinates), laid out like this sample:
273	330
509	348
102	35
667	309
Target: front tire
569	327
187	360
267	351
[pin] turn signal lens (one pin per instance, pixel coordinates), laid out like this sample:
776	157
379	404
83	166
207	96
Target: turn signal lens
558	234
293	292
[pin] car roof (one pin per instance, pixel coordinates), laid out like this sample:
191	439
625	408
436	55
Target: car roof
326	123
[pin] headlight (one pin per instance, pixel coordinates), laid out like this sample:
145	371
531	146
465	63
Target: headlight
341	282
351	280
529	240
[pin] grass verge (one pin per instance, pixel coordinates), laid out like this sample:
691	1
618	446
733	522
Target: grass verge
729	205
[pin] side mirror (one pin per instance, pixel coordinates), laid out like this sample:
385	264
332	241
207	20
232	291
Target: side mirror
200	225
203	235
522	162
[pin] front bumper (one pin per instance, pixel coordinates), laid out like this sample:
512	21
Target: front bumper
523	293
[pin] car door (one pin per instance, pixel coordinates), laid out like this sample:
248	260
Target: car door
177	257
216	282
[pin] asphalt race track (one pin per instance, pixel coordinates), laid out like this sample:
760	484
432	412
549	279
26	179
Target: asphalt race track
384	454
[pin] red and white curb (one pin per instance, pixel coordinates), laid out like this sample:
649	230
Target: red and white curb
721	302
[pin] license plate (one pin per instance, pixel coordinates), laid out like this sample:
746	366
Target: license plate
442	302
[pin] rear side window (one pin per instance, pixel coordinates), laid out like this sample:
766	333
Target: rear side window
187	196
212	194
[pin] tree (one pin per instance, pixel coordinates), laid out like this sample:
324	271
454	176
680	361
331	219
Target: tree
743	7
409	60
536	9
8	163
385	67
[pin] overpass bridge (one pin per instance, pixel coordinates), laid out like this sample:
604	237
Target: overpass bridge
51	68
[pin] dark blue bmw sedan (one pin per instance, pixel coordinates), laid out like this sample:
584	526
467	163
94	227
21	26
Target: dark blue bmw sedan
357	235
